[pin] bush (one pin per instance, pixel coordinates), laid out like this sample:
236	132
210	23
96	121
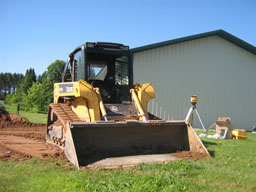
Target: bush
12	99
15	98
8	99
37	96
28	102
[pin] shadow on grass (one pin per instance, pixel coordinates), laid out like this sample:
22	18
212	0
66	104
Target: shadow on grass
212	153
207	144
42	112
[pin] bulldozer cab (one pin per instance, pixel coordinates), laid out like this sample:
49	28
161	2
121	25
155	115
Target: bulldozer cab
104	65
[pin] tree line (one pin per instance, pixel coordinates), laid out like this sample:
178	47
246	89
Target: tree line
9	83
31	91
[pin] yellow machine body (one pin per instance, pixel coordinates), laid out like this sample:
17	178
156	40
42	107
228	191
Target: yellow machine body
86	99
106	116
87	138
87	103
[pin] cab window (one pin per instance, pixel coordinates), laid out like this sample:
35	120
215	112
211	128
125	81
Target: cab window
78	66
97	70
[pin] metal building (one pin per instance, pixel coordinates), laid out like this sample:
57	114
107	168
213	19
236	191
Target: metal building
217	66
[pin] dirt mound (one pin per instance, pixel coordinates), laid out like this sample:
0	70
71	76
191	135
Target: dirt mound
14	120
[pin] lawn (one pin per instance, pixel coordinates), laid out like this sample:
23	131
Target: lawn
32	115
231	168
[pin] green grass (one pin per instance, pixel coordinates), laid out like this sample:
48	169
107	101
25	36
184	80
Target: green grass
232	168
32	115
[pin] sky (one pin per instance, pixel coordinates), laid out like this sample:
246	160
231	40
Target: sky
35	33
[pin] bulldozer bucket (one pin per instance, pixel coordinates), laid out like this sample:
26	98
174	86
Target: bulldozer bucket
87	143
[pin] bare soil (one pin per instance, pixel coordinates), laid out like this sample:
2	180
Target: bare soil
189	155
20	139
8	154
23	144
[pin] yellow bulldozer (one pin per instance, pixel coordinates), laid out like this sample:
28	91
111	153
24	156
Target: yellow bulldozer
98	113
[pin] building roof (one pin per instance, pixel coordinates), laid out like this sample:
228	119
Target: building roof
221	33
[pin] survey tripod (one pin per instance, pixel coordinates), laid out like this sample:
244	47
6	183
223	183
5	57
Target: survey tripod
193	100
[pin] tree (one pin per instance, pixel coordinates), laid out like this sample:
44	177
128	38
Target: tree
33	94
52	75
42	78
15	82
37	96
1	85
55	71
28	80
40	94
20	79
5	85
9	83
8	99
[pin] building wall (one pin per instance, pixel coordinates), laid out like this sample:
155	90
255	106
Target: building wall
222	74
